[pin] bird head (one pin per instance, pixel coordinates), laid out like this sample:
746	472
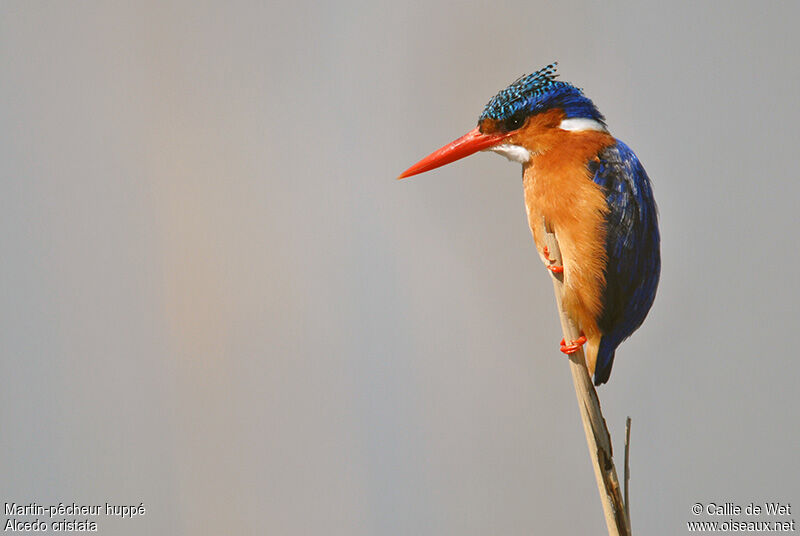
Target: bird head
529	117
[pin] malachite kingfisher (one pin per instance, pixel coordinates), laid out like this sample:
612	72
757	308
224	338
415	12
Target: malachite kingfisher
590	189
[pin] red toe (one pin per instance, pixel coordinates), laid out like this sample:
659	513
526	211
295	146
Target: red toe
573	346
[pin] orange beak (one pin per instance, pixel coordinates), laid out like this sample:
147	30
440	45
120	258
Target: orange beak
471	142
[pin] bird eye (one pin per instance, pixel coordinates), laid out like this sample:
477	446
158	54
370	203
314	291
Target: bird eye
514	122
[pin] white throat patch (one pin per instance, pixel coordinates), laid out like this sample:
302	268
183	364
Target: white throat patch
515	153
577	124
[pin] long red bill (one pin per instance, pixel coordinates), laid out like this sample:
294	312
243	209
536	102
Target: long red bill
471	142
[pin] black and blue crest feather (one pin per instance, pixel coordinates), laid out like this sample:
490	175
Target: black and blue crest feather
539	92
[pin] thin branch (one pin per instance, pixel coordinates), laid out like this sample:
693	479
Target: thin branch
627	469
594	425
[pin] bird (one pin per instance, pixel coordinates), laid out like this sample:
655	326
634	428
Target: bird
590	190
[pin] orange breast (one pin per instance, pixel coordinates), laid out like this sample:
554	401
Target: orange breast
560	192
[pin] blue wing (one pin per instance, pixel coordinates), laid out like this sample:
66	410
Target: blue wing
632	245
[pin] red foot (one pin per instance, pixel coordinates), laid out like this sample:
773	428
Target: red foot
573	346
553	268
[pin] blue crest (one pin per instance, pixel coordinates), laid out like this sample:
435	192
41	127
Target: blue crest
538	92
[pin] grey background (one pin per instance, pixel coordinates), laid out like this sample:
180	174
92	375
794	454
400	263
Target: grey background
216	299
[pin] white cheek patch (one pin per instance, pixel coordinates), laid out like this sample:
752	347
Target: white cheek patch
578	124
515	153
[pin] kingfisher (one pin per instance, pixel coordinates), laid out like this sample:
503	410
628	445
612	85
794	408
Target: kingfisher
586	187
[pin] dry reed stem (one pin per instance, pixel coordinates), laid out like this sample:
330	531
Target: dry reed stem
594	425
627	469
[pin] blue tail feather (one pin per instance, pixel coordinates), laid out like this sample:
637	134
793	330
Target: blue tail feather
605	359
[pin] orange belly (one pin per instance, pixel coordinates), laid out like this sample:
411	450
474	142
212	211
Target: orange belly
560	193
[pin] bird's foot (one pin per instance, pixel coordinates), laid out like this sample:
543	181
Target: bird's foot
552	266
573	346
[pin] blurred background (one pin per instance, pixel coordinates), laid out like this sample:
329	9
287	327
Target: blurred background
217	301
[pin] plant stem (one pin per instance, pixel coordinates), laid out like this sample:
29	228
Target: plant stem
594	425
